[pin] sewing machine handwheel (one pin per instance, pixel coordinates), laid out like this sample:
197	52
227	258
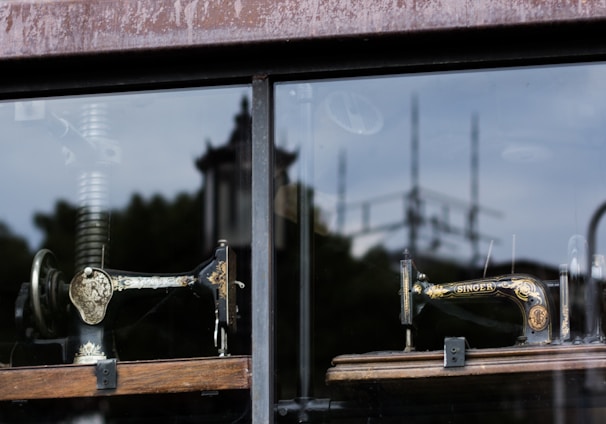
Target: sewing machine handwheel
45	286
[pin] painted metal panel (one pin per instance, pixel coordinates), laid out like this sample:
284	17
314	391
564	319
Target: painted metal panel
35	28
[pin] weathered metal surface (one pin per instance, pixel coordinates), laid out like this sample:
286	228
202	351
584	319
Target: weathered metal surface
62	27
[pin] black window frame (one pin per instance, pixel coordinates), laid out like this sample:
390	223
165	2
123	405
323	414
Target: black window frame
262	65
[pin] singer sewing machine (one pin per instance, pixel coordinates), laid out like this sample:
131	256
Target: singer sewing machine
77	315
540	312
527	295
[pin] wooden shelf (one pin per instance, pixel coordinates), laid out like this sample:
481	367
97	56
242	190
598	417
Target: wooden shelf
543	384
524	372
138	377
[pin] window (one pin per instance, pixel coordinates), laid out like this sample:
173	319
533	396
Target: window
489	180
113	208
301	212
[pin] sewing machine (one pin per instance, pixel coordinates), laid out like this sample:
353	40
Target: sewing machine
77	315
520	308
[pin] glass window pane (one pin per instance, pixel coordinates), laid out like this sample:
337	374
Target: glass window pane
475	175
103	194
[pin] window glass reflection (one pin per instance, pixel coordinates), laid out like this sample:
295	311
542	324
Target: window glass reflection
144	183
473	174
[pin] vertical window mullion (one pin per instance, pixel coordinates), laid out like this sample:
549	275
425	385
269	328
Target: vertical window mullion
262	391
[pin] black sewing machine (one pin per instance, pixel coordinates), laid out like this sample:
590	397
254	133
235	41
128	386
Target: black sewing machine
77	315
516	309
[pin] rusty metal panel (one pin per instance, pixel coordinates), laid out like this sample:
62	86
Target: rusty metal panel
32	28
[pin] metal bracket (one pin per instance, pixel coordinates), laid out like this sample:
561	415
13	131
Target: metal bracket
107	374
454	352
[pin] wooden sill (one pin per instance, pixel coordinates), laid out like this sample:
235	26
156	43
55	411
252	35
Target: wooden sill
415	367
539	384
137	377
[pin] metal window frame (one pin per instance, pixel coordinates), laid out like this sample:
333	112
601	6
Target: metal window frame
262	393
262	62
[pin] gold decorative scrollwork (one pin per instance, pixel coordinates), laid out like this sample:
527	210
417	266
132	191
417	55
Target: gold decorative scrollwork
437	291
524	289
219	278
